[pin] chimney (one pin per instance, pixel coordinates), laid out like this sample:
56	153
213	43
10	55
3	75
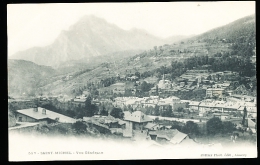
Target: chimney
35	109
44	111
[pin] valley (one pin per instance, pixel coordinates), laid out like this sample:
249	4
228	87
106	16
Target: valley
129	91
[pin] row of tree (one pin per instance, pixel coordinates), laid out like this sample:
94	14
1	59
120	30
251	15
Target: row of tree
213	126
216	126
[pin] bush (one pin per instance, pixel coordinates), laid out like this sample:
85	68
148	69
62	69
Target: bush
214	126
190	128
228	127
79	127
117	113
176	126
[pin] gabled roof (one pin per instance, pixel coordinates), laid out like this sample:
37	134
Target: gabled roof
136	116
178	138
173	135
23	125
167	134
169	126
49	114
91	121
196	103
121	122
189	143
150	125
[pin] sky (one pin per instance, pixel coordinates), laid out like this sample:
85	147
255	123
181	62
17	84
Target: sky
30	25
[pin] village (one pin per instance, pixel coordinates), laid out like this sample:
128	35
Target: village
194	105
131	81
161	118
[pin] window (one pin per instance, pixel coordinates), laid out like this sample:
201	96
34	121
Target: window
20	119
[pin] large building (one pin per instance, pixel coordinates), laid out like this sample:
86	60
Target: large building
214	92
164	84
42	115
173	101
136	120
194	105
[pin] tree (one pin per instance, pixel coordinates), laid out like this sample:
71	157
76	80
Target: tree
156	110
157	91
214	126
180	109
128	93
190	128
167	111
103	111
176	126
156	120
79	127
227	127
117	113
244	117
145	87
130	109
137	74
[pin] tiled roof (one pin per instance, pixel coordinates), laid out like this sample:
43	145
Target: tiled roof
96	123
167	134
178	138
49	114
205	104
150	125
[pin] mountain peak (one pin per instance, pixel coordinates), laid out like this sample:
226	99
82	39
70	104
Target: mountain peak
91	20
90	36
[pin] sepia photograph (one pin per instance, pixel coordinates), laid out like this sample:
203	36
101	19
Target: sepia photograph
130	81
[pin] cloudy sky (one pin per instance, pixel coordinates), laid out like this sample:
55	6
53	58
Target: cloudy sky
32	25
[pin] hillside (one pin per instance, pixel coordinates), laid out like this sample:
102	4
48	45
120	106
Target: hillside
82	72
25	76
238	35
86	63
89	37
232	32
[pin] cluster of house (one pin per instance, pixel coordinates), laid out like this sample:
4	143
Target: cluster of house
140	126
193	79
133	125
117	88
60	98
231	104
22	103
152	101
